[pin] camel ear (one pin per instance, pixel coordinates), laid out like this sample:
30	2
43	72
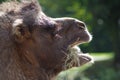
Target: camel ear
20	31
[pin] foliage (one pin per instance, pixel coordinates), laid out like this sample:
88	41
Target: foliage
91	73
102	71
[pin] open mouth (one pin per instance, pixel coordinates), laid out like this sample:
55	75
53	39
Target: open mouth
77	42
76	57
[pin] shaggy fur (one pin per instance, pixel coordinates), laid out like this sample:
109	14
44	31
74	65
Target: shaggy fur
34	46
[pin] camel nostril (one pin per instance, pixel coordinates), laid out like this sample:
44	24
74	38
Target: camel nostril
80	24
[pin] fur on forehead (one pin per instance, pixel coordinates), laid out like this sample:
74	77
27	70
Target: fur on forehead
28	10
17	7
30	6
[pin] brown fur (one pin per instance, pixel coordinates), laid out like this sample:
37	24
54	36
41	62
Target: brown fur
34	46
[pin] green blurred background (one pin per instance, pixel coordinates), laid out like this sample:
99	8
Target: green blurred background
103	21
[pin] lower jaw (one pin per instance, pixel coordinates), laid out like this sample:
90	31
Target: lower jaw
75	56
